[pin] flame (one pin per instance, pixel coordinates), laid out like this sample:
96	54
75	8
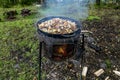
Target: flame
62	50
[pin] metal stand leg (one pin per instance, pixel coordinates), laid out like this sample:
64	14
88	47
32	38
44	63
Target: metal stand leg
83	47
83	41
82	56
40	57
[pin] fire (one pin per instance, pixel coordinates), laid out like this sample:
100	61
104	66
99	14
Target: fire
62	50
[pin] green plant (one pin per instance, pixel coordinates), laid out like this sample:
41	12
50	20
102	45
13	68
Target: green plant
108	63
10	3
93	18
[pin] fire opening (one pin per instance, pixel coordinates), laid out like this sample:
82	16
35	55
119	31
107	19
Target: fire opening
62	51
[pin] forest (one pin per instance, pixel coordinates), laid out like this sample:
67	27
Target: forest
10	3
19	40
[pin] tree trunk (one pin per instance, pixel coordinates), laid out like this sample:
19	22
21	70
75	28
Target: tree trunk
41	1
98	2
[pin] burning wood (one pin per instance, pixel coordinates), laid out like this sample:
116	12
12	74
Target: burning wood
58	26
61	50
116	72
99	72
84	72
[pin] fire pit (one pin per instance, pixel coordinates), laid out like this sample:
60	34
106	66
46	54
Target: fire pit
59	46
60	42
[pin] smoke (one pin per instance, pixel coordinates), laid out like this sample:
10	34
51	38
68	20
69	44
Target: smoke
77	9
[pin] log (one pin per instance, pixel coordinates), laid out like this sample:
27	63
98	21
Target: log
86	31
116	72
107	78
84	72
99	72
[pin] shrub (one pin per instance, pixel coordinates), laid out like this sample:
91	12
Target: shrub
10	3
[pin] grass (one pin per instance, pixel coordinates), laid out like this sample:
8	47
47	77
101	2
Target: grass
93	18
18	9
108	63
18	47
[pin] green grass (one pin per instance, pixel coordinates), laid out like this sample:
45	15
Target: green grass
93	18
108	63
18	47
18	9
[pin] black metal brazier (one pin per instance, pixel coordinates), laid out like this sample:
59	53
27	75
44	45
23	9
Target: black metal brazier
58	47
